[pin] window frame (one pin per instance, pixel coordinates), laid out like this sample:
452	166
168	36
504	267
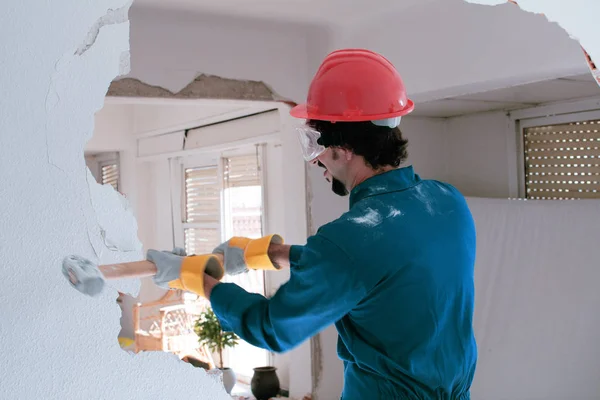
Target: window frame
178	202
524	123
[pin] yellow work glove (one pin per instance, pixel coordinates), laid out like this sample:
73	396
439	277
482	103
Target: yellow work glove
175	270
241	254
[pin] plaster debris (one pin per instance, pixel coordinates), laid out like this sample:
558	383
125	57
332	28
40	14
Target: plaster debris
424	199
371	218
112	17
395	213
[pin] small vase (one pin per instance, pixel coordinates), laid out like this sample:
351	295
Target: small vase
229	379
265	383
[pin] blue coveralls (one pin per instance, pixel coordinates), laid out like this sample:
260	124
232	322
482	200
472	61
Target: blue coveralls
395	275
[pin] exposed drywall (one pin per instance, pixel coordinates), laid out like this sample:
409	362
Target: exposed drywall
536	314
49	97
202	87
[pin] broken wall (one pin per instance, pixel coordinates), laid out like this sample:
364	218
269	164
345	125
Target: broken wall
59	344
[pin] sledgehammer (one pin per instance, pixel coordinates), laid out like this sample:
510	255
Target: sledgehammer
89	278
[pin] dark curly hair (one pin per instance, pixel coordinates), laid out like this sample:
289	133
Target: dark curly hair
380	146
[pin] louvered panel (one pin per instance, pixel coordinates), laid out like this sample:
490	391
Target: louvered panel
553	146
563	161
562	170
202	191
561	196
570	155
570	185
110	175
242	171
201	240
565	133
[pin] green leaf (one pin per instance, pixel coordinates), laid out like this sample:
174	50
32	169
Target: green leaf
211	334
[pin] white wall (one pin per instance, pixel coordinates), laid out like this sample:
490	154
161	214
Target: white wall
536	305
448	47
49	96
171	48
477	150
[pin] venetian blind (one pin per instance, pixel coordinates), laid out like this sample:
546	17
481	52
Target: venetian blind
202	210
241	171
110	175
563	161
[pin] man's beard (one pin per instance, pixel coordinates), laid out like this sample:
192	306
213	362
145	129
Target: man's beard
338	187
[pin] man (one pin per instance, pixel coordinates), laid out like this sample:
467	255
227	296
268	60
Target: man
394	273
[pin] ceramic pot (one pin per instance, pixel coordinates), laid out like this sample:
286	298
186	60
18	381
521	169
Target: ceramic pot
265	383
229	379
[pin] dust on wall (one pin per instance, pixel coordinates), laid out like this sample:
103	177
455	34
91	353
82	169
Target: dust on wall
56	68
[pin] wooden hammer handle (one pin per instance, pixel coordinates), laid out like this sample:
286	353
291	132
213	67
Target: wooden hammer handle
136	269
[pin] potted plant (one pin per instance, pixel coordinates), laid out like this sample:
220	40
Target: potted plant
211	334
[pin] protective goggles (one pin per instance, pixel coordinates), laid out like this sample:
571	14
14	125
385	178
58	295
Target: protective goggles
309	137
309	141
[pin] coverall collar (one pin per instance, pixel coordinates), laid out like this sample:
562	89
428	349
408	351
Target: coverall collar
395	180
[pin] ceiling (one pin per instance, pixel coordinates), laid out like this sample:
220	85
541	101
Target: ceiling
327	12
511	98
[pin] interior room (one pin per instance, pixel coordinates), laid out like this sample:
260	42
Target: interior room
130	126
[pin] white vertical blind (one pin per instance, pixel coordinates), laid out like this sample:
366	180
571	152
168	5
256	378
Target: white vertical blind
563	161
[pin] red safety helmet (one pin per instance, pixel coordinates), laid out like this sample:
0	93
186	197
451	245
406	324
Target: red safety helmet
355	85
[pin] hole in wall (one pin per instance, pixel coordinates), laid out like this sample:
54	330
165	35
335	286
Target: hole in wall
195	172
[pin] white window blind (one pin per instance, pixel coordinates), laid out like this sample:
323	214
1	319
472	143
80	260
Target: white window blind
202	231
110	175
563	161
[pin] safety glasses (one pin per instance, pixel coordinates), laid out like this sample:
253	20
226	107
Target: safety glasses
309	139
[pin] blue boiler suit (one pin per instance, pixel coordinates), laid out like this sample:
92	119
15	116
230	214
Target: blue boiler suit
395	275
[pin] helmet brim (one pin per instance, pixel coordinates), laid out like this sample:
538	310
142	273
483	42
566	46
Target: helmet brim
301	111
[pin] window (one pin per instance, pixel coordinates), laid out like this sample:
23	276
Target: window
110	175
202	211
222	201
562	161
104	168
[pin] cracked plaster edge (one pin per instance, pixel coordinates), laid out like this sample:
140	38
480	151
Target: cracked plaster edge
94	229
204	86
593	67
112	17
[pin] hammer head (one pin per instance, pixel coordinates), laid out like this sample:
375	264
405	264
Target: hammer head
83	275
